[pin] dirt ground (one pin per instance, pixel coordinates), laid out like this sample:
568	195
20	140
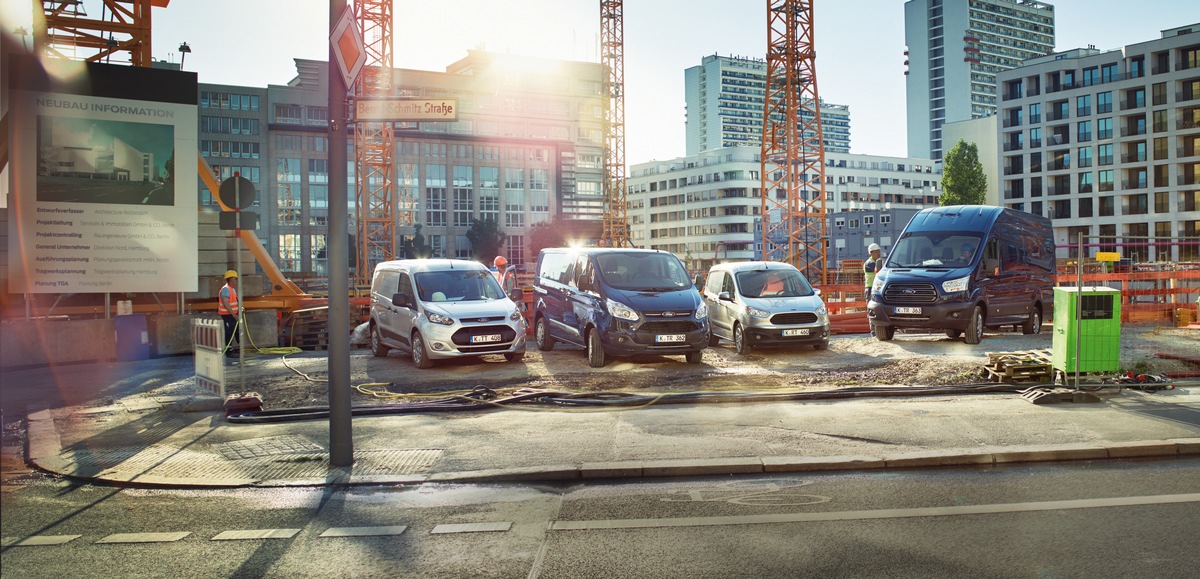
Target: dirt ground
858	360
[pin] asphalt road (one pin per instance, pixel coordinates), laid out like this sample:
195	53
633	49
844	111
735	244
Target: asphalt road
1079	519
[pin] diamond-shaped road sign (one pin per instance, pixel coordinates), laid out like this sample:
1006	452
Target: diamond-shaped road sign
348	48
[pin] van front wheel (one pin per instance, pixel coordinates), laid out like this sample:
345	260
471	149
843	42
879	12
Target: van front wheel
595	350
541	333
1034	324
693	357
740	343
883	333
974	333
377	348
420	355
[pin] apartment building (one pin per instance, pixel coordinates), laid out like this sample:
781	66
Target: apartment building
1107	144
724	97
955	49
705	207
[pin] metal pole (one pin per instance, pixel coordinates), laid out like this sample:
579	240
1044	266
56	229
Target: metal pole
341	436
1078	307
237	251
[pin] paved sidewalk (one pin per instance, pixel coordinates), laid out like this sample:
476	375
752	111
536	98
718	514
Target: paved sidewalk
181	441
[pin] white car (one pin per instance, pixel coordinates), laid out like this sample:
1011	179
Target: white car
442	308
761	303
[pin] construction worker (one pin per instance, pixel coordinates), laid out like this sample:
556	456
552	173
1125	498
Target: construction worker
871	266
506	277
228	308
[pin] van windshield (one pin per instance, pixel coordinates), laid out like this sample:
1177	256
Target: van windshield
935	249
657	272
459	285
773	283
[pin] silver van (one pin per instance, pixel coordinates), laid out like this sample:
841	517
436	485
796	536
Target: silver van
759	303
442	308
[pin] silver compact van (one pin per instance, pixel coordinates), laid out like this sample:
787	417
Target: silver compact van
442	308
759	303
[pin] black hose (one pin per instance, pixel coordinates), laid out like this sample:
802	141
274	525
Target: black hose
481	399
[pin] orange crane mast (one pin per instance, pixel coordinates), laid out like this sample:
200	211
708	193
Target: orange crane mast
793	151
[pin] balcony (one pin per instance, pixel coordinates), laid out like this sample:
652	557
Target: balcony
1013	146
1011	122
1130	184
1133	104
1185	180
1132	131
1058	115
1035	143
1060	165
1183	152
1014	170
1187	124
1133	158
1183	98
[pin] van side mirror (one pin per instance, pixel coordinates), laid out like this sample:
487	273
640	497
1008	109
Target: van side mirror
696	281
817	291
401	301
725	297
991	267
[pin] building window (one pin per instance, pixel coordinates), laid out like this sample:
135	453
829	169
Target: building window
514	208
435	195
289	114
289	251
1103	103
318	254
1107	206
464	202
1085	207
1106	181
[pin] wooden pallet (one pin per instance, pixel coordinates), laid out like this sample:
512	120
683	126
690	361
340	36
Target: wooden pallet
307	329
1028	366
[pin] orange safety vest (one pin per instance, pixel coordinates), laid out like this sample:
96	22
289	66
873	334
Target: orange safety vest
233	302
508	281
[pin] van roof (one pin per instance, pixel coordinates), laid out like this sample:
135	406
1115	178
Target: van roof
423	265
956	217
599	250
739	266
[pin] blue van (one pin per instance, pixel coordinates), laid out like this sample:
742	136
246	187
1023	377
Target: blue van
964	268
618	302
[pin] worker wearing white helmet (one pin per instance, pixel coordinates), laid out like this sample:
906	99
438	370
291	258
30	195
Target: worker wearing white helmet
871	266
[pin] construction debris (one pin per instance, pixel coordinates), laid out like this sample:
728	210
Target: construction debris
1019	367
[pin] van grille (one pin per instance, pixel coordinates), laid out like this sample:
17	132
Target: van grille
794	318
672	327
463	338
485	320
909	293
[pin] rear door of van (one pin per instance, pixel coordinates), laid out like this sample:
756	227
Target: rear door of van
555	270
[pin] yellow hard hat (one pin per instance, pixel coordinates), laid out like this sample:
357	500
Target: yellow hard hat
230	274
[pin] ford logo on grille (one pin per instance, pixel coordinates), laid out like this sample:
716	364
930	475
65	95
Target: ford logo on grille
910	291
668	314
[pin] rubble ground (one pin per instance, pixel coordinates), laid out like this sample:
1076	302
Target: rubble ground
911	359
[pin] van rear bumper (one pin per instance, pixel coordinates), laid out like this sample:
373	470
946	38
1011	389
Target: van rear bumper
943	316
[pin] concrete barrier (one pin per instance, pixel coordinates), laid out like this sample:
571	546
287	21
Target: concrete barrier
42	342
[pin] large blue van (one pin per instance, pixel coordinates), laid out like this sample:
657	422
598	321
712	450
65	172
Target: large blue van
618	302
964	268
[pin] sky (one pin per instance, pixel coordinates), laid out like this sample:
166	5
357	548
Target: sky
859	45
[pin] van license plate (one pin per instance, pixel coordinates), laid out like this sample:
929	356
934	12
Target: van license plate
908	310
801	332
670	338
486	338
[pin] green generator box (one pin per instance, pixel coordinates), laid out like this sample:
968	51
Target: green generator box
1089	319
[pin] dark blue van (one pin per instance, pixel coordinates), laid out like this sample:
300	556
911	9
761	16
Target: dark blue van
618	302
964	268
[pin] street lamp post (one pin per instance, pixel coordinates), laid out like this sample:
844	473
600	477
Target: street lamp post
184	50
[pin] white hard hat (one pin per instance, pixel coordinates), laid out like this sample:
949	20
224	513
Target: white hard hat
874	247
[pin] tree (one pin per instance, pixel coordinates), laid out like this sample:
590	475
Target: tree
414	247
963	181
486	238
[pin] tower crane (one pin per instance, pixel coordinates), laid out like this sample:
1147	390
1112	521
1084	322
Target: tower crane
612	55
373	145
793	151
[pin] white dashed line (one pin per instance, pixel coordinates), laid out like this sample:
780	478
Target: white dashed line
256	534
40	540
144	537
364	531
471	528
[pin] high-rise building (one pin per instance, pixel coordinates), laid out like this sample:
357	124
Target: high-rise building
1107	144
724	97
955	48
526	147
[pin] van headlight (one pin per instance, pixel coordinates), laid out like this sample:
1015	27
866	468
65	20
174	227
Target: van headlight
757	313
439	318
620	310
702	312
877	286
956	285
515	315
822	311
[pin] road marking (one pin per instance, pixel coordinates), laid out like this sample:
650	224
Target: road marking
471	528
256	534
144	537
877	514
364	531
40	540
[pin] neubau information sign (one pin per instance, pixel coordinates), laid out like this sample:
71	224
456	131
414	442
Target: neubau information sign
406	109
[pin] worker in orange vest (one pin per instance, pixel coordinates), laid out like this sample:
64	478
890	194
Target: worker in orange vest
229	310
506	277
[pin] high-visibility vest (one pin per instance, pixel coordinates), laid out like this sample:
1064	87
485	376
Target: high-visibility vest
870	273
233	302
508	281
